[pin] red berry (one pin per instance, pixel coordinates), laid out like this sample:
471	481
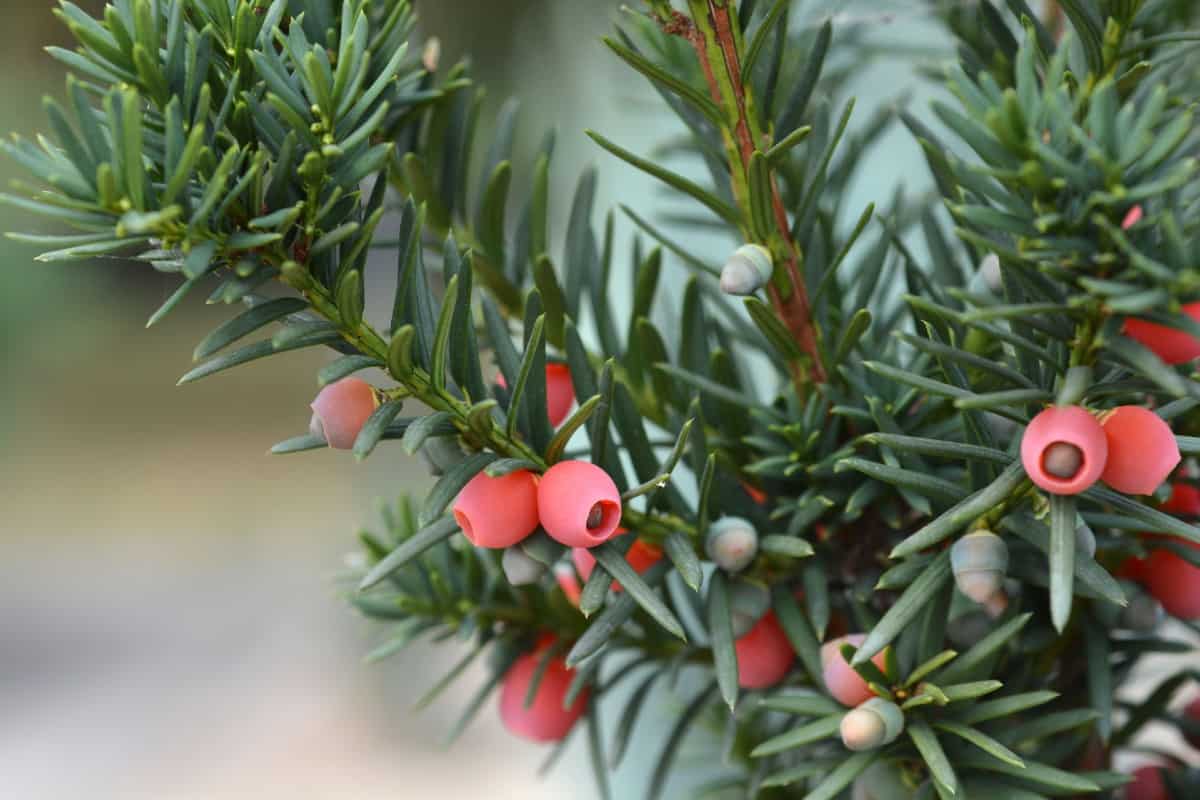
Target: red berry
1192	714
764	655
1132	217
498	512
545	720
844	684
1064	449
641	556
560	392
1171	345
1142	451
579	504
341	409
1185	499
1173	581
1148	784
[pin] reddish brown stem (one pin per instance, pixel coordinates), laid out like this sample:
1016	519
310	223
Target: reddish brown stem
791	306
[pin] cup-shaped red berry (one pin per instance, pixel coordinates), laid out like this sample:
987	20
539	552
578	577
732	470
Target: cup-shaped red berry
560	393
498	512
1173	581
1147	784
341	409
579	504
545	719
764	655
641	556
1142	451
1064	450
1170	344
844	684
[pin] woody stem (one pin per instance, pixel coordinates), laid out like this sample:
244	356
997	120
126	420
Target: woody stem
716	37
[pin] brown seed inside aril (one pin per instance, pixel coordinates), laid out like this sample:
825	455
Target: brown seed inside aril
1062	460
595	517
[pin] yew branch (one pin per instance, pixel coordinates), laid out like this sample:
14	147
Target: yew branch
714	34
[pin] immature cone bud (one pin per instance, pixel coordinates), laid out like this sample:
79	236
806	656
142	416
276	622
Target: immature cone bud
498	512
979	561
520	569
748	602
875	723
732	543
747	270
440	453
1064	450
579	504
764	655
844	684
341	409
989	271
1148	784
883	780
1170	344
545	720
1142	451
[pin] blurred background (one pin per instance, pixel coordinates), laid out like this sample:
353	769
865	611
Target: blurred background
169	625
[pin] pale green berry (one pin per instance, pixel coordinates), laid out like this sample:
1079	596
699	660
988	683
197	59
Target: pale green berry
873	724
747	270
979	561
732	543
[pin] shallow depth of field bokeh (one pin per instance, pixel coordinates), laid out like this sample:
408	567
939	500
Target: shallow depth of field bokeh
169	624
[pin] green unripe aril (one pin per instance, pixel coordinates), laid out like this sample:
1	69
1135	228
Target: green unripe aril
873	724
747	270
979	561
732	543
